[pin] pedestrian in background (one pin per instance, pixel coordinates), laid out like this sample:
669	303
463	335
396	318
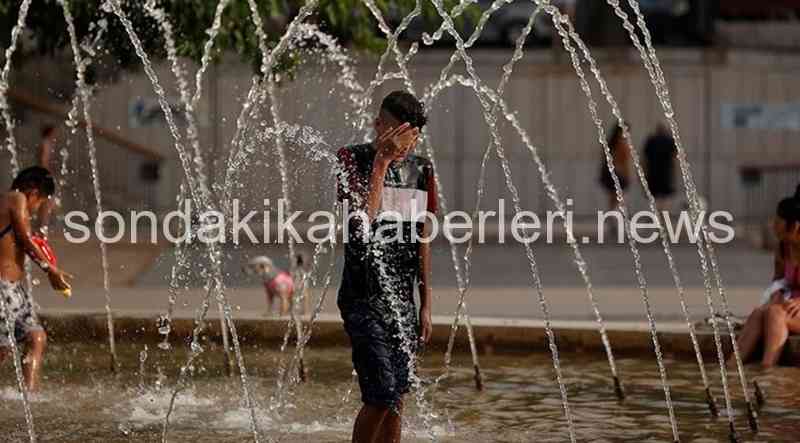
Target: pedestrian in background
621	154
659	155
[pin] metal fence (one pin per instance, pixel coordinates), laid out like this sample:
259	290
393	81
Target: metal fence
765	186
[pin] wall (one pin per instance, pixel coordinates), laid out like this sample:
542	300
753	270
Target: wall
544	93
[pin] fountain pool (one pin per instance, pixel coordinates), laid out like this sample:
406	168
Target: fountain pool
82	402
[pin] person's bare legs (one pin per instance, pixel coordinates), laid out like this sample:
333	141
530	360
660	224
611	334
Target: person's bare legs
775	334
33	359
392	428
752	332
368	424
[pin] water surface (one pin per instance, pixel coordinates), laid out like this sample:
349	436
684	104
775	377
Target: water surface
82	402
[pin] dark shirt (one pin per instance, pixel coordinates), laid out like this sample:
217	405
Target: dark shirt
659	152
376	269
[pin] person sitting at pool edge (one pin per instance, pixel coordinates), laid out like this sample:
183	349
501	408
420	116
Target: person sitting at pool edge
771	324
18	321
376	297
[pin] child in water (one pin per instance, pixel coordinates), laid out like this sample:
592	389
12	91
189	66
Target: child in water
773	322
31	189
376	296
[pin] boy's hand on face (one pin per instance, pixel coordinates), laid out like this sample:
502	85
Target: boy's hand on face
395	143
425	325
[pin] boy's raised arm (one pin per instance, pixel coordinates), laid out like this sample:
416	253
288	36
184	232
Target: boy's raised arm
20	220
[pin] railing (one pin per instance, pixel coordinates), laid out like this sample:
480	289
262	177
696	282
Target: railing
765	186
129	173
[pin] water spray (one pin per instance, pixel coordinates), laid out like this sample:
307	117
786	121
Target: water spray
81	63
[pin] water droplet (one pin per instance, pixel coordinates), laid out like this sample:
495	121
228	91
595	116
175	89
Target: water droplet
196	348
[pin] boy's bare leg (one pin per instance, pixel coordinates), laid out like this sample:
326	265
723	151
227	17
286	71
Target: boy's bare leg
368	424
33	359
392	428
752	332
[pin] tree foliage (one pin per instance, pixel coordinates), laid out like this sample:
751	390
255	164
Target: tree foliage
348	20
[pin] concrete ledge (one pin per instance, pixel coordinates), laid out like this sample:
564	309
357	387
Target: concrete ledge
492	335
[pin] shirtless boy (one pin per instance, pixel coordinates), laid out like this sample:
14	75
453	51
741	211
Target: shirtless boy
31	189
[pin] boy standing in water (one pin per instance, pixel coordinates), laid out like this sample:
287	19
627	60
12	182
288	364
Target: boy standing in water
30	190
376	297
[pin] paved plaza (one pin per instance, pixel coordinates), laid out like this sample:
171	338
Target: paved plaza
501	281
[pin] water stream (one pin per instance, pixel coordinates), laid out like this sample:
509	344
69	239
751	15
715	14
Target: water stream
5	110
81	63
260	122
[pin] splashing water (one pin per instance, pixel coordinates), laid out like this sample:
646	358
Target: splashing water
81	63
8	120
15	355
537	283
248	133
200	193
72	126
402	60
560	24
552	192
206	57
181	264
653	67
463	279
402	323
178	70
189	103
142	363
625	219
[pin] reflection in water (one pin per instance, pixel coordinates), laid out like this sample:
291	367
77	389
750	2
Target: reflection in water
521	402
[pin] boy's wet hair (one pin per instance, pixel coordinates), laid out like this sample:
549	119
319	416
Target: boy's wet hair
405	108
35	178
